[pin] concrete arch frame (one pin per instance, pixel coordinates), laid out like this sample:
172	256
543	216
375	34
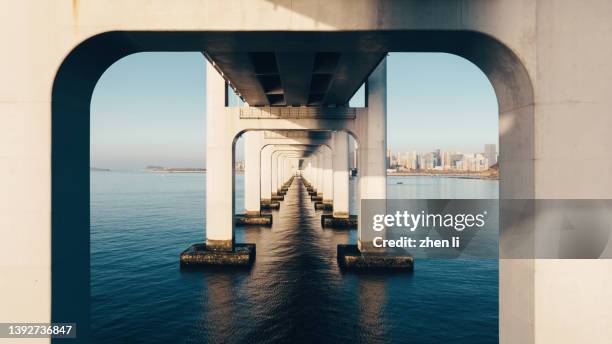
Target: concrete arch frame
80	71
337	190
517	42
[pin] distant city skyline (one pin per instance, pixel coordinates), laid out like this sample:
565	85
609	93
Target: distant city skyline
150	108
444	160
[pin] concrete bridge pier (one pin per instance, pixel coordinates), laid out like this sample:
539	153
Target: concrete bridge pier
285	166
320	181
372	136
328	175
253	141
284	170
266	179
325	199
275	195
315	176
307	173
281	154
288	173
340	172
219	248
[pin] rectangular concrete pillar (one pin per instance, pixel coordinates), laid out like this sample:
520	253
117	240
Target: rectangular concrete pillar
252	172
372	148
266	174
328	176
281	171
285	171
307	170
320	163
340	174
274	169
219	166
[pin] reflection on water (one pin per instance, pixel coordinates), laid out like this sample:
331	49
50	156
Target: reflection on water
293	293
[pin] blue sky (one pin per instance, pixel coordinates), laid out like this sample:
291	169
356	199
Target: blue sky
149	108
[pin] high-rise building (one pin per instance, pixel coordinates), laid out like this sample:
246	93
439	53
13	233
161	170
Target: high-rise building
490	153
437	160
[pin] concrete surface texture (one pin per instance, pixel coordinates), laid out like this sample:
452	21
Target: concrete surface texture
548	61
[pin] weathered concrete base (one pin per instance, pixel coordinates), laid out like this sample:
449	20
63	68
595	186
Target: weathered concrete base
270	205
350	258
254	220
323	206
199	255
278	197
329	221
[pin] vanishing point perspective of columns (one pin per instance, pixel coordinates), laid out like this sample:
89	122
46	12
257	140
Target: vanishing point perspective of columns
284	145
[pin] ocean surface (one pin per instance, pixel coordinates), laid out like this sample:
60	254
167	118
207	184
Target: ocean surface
294	293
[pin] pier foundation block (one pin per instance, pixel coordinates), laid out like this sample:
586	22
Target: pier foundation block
329	221
199	255
270	205
350	258
254	220
323	206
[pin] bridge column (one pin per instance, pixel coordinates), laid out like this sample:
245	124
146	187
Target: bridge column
252	172
266	174
372	149
372	135
341	175
253	141
320	165
308	170
339	204
219	248
219	166
328	176
274	168
315	172
282	160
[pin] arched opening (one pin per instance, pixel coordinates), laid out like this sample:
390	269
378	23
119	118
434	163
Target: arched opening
80	71
442	113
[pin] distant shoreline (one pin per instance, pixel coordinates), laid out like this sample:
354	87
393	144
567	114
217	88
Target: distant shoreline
450	175
175	170
180	170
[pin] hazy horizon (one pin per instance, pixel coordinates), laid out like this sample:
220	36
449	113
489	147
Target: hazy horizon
150	108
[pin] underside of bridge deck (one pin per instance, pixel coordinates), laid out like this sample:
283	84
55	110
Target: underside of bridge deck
296	72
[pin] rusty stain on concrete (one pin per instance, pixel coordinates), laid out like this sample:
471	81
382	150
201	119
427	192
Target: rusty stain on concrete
75	11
